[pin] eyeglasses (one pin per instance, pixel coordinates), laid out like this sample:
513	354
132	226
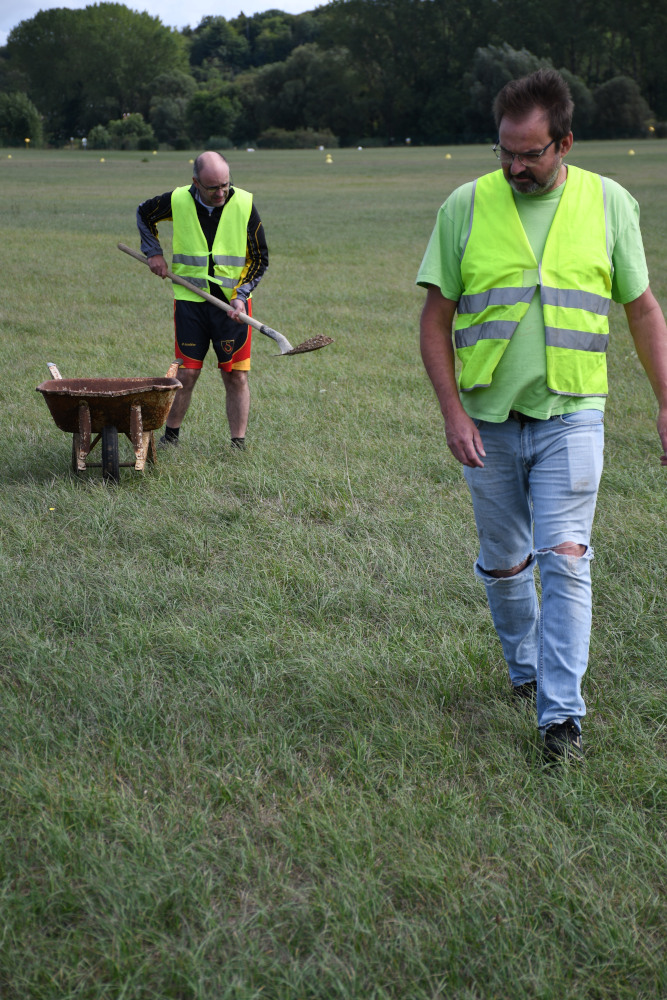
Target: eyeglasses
214	187
525	159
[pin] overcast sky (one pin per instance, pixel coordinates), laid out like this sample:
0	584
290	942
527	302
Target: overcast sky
173	13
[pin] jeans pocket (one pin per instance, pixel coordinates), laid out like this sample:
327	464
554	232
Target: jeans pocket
582	417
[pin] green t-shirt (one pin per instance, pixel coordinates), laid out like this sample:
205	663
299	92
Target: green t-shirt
519	381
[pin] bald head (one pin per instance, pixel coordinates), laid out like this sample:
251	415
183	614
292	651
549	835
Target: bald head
209	159
211	178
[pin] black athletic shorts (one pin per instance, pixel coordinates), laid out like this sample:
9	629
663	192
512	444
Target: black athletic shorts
197	325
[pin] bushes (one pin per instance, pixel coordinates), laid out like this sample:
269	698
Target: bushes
128	132
99	138
19	120
621	110
306	138
131	132
211	114
219	142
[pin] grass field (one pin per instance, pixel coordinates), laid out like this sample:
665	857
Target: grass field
256	733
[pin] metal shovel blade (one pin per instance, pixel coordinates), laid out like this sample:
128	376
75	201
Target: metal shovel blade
312	344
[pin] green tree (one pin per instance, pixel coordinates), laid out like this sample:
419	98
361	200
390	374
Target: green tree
168	113
313	89
593	41
86	66
275	41
211	113
621	111
175	83
493	67
99	138
273	34
12	80
19	120
409	57
217	42
131	132
169	119
583	121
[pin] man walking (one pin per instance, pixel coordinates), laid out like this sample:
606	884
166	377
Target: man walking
528	258
219	246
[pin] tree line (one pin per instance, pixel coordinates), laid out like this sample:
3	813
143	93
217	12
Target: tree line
353	72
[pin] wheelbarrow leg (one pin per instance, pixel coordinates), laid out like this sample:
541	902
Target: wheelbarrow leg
81	441
141	439
151	450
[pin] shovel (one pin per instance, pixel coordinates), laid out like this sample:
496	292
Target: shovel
313	344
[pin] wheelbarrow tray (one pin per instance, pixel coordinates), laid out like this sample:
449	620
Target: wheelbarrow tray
110	401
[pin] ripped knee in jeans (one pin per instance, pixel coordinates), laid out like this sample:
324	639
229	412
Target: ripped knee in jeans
501	574
567	549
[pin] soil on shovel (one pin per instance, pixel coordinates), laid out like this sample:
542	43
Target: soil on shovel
313	344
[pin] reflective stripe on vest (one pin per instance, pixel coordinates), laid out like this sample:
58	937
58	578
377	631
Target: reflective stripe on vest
500	275
191	256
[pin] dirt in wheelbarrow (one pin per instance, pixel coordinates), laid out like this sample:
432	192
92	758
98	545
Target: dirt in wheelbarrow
313	344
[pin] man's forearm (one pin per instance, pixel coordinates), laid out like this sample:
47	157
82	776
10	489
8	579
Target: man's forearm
149	214
438	357
649	332
150	245
437	350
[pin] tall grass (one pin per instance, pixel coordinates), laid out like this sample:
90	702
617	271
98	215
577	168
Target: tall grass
256	732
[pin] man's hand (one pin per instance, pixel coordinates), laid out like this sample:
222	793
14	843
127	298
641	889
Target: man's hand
464	440
238	314
158	265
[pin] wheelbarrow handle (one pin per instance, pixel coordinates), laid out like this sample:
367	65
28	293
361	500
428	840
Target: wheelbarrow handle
282	342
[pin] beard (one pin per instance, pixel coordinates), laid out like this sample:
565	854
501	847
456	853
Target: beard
535	187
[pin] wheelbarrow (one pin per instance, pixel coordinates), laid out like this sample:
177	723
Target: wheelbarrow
96	410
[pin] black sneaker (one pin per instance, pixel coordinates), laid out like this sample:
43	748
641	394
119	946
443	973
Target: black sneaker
562	741
170	437
523	694
238	443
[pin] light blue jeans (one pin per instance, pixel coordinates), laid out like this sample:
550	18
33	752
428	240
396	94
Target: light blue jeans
538	489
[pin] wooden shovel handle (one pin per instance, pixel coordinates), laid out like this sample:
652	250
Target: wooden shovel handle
283	342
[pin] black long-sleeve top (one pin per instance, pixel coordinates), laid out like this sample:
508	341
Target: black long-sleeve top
158	209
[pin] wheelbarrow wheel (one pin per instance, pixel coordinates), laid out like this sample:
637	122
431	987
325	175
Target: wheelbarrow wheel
110	464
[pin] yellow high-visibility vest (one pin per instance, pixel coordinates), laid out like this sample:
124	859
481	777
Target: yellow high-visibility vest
190	251
500	274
